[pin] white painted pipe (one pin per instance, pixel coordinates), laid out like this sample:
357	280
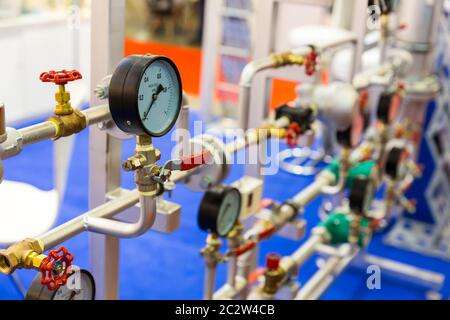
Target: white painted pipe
120	229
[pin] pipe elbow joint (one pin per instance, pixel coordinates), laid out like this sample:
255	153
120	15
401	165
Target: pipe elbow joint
118	229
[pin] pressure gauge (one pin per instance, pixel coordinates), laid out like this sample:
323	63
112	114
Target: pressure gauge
388	107
351	137
396	163
145	95
219	210
80	286
361	195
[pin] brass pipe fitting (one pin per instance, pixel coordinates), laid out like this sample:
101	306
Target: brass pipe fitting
143	163
384	21
26	254
69	124
273	276
286	59
211	252
63	106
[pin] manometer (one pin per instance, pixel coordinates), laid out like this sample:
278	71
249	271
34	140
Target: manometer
80	286
388	107
219	210
145	95
361	195
351	137
396	163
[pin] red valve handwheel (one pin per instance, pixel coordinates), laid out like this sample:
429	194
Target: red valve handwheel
61	77
311	62
293	134
55	268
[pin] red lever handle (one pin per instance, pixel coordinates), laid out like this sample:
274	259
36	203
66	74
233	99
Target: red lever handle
293	134
195	160
55	268
61	77
311	63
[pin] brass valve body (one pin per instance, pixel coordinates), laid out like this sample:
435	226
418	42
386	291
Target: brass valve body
272	280
67	125
26	254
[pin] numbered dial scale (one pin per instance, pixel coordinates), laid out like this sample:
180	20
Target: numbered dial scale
145	95
219	210
80	286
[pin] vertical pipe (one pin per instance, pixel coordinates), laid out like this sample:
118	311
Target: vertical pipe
2	123
210	280
107	44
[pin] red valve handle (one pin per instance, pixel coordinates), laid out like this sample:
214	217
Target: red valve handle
55	268
61	77
293	134
195	160
311	63
273	261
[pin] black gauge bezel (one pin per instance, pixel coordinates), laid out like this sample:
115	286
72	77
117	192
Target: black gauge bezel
210	206
124	94
393	162
359	192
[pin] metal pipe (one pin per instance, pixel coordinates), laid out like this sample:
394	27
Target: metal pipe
120	229
314	189
324	277
2	123
76	226
247	77
232	270
110	209
252	137
47	130
210	281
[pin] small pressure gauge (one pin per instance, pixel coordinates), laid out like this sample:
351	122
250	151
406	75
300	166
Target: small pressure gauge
396	163
361	195
219	210
80	286
388	107
351	137
145	95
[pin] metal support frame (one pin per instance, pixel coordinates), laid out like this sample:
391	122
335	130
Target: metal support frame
107	37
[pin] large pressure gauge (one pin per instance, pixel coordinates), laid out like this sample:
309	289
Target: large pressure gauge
220	210
145	95
80	286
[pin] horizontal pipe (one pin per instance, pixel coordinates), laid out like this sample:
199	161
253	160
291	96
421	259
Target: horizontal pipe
314	288
314	189
47	130
253	137
76	226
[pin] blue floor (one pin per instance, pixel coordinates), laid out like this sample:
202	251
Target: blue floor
158	266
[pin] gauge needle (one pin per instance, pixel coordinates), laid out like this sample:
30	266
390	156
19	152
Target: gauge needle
72	295
154	98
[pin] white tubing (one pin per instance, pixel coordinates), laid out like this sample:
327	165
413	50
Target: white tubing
119	229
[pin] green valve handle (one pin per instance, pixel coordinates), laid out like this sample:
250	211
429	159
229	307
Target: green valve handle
364	169
338	227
